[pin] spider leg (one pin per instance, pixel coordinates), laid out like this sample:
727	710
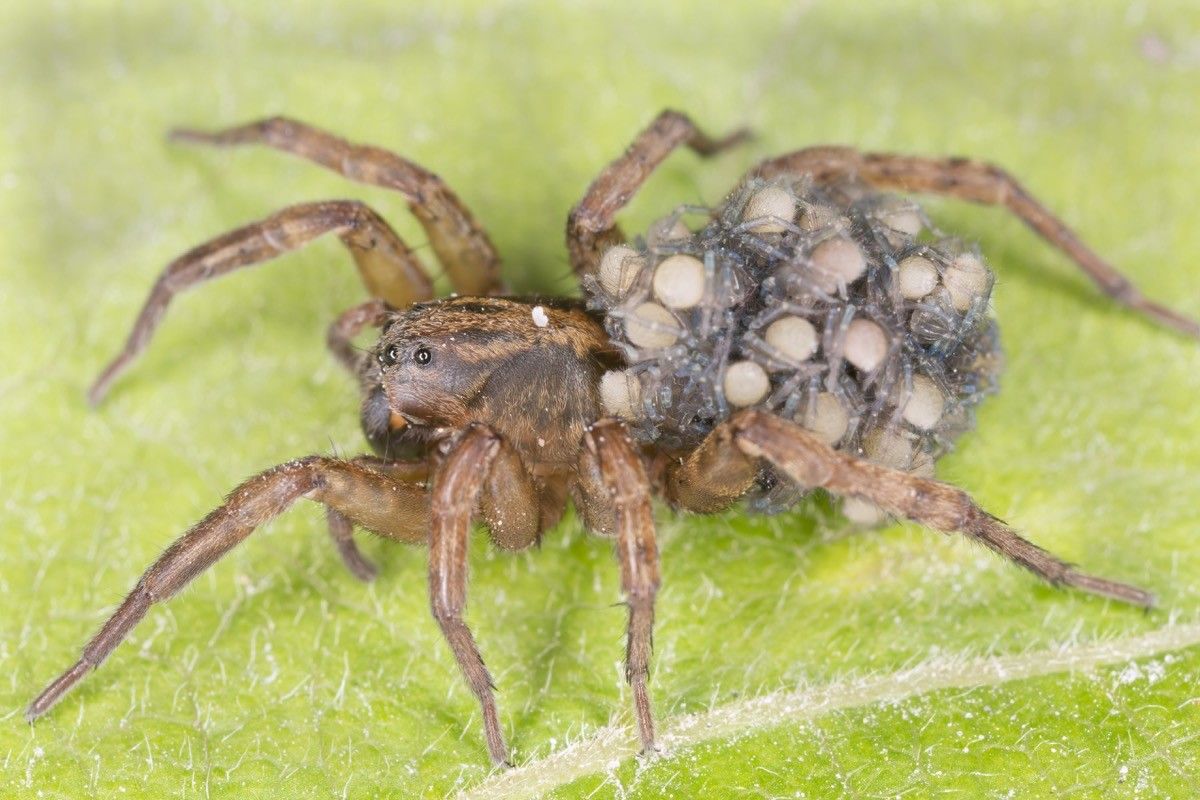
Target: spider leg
388	268
591	226
461	244
978	182
384	430
351	322
711	477
479	471
369	498
457	486
341	527
510	506
810	462
341	530
611	451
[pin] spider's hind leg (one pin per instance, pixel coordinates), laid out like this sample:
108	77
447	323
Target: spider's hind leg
810	462
591	226
977	182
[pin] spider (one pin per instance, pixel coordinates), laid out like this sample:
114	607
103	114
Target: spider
812	333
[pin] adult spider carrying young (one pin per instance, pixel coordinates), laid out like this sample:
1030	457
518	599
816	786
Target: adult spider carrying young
812	333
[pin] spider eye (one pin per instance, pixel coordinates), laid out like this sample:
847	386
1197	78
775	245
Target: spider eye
422	356
389	356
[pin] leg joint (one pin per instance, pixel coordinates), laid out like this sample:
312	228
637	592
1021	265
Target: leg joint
278	129
445	612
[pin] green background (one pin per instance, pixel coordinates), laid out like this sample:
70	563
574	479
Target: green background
278	675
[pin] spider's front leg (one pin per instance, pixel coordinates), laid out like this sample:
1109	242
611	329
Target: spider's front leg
351	490
387	266
479	471
341	526
610	456
461	244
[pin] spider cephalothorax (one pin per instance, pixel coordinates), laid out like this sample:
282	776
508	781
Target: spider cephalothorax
498	362
810	333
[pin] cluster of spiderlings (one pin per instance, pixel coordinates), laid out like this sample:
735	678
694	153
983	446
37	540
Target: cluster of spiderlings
834	306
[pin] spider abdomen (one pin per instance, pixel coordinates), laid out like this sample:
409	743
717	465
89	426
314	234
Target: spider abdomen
838	307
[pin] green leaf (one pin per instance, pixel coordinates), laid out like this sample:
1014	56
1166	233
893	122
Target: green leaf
793	657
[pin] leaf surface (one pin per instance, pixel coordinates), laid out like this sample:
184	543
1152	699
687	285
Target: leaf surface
277	674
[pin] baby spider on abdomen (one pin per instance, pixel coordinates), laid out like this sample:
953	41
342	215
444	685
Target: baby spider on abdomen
809	334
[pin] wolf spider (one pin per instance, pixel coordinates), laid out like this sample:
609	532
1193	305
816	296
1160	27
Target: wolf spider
482	407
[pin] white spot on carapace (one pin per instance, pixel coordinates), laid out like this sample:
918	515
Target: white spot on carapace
539	317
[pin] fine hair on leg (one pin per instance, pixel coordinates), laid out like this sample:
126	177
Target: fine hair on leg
624	478
810	462
352	491
387	266
456	488
591	226
977	182
460	242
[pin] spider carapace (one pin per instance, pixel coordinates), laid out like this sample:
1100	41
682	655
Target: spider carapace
811	333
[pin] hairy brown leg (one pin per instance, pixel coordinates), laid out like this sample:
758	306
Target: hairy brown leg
456	488
351	322
591	226
341	527
341	530
461	244
379	424
609	447
978	182
510	505
810	462
711	477
409	472
367	497
388	267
